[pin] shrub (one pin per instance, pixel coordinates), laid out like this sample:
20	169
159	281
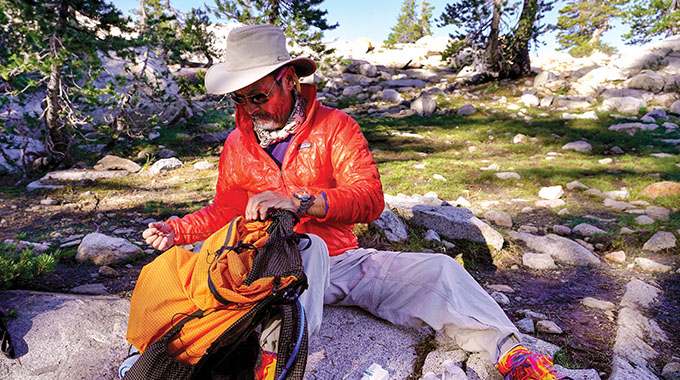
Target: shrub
19	266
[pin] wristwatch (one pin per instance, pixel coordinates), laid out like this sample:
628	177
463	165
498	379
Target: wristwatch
306	201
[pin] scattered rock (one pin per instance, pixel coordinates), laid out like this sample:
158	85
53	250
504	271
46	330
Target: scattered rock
548	327
579	146
644	220
49	202
431	235
105	250
457	223
391	95
424	105
499	218
550	203
203	165
467	110
561	230
585	229
561	249
617	257
652	266
598	304
660	241
110	162
91	289
165	165
519	139
538	261
508	175
501	288
578	374
576	185
671	371
22	245
393	227
551	192
526	326
658	213
107	271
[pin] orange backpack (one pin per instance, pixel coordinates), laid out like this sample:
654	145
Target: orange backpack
194	310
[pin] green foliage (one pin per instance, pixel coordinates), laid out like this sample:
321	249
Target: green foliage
20	266
301	20
411	27
581	23
651	18
196	37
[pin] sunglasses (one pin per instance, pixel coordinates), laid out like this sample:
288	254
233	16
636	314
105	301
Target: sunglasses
259	98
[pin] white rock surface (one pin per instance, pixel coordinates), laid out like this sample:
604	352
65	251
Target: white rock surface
105	250
660	241
538	261
563	250
551	192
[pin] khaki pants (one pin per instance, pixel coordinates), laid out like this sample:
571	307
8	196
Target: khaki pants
409	289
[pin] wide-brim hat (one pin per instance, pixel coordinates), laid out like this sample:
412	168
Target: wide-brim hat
252	52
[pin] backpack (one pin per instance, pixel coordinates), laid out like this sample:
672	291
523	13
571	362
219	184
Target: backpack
200	315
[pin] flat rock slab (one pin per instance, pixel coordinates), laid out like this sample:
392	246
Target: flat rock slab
350	340
457	223
63	336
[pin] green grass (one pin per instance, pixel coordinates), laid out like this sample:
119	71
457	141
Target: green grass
18	266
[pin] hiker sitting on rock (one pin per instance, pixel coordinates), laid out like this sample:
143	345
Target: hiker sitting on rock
291	152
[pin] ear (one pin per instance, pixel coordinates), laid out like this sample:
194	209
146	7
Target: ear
288	79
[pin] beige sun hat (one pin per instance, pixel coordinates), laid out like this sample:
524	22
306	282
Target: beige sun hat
253	51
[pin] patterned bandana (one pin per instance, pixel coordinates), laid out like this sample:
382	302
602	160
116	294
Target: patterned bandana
297	116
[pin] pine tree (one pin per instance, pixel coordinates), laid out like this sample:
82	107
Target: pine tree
53	45
502	51
410	27
581	24
652	18
301	20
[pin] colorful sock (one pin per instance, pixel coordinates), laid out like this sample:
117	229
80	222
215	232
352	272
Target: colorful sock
521	364
267	366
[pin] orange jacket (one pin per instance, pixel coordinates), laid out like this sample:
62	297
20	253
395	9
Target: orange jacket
328	153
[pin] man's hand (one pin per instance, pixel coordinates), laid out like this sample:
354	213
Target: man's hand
159	235
259	205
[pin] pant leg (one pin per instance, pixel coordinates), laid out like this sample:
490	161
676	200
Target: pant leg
416	289
315	260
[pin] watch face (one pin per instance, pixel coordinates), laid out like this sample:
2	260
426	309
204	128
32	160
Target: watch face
302	195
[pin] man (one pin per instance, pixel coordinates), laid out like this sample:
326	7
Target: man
290	152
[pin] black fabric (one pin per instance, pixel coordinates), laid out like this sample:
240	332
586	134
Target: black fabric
234	355
280	258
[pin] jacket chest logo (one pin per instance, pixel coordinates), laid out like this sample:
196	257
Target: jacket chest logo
304	145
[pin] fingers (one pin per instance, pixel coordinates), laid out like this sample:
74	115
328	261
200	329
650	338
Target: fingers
159	235
260	205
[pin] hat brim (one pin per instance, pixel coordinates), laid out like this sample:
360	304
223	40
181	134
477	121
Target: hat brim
219	81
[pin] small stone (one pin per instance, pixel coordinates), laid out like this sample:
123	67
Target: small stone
561	230
532	314
551	192
203	165
519	139
463	202
626	231
597	304
550	203
527	209
49	202
617	194
92	289
528	228
652	266
617	150
585	229
576	185
439	177
432	235
671	371
501	288
499	218
658	213
508	175
501	298
585	244
579	146
563	211
538	261
660	241
661	189
107	271
617	257
549	327
526	325
605	161
644	220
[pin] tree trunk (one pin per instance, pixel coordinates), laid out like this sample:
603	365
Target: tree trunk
56	139
521	37
598	32
493	55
